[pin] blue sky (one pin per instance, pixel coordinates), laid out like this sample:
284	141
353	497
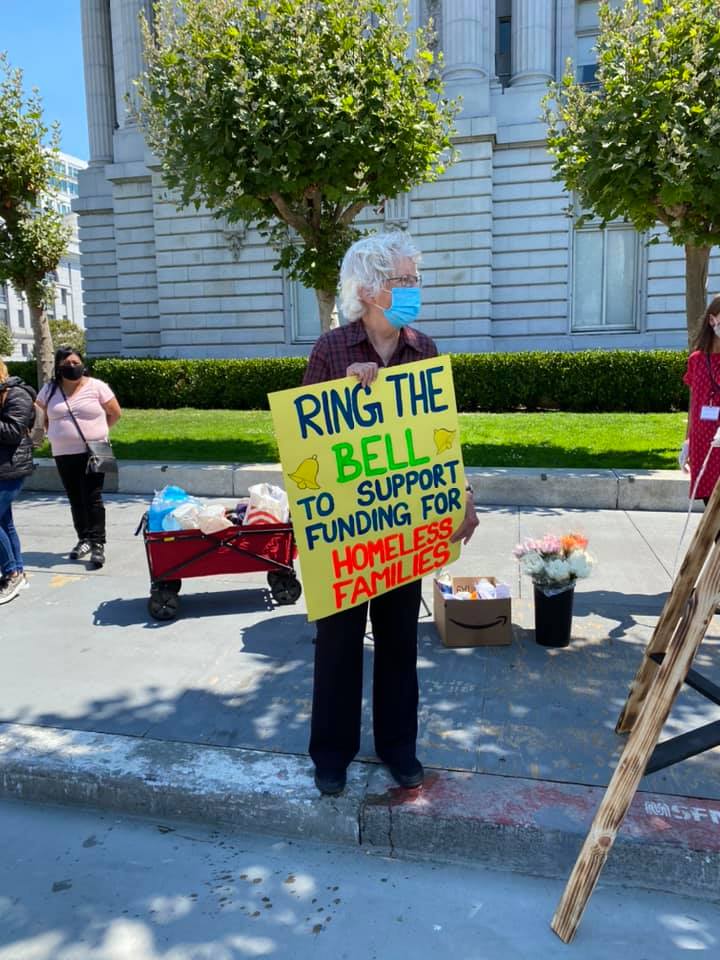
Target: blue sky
43	37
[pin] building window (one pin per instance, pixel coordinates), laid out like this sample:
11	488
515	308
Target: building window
606	277
431	11
397	211
587	28
24	350
586	62
503	41
21	318
304	312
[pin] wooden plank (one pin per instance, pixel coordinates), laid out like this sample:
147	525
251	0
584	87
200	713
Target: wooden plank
703	539
654	711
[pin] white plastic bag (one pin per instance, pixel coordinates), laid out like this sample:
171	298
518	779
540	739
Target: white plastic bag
268	504
211	518
184	516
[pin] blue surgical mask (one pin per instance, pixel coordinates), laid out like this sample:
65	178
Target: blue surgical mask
404	306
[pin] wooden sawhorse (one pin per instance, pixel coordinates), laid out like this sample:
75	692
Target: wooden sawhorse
665	667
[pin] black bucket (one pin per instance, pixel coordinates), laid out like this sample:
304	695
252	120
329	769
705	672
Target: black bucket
553	618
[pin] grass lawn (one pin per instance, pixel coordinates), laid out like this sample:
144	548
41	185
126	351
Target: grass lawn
623	440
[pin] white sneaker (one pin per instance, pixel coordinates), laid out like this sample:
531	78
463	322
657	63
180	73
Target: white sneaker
11	587
25	584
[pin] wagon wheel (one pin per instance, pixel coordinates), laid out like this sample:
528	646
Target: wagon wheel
174	586
284	587
163	604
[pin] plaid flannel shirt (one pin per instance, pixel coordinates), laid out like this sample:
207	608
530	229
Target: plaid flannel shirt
335	350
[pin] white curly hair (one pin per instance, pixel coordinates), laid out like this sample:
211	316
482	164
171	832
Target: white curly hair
367	265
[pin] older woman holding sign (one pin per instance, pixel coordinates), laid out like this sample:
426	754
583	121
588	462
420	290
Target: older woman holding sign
380	296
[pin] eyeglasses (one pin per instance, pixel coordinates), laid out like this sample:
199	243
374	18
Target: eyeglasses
409	280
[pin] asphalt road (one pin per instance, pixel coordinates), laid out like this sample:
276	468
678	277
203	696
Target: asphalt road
81	885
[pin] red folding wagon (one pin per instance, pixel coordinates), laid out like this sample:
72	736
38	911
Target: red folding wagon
177	555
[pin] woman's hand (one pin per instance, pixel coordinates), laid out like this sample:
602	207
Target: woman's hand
467	528
365	372
683	457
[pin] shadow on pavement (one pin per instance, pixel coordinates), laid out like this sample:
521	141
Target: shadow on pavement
133	611
246	681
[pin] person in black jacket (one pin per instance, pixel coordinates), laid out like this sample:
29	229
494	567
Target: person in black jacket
17	413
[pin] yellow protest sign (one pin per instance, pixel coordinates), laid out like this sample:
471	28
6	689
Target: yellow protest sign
375	480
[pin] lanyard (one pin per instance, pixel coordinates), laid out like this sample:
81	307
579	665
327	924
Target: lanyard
715	385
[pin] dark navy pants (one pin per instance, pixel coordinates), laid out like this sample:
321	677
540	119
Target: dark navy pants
337	691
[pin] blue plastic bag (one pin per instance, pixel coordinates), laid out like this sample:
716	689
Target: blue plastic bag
163	503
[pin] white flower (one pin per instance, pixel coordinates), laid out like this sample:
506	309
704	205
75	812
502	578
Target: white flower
532	564
580	563
557	570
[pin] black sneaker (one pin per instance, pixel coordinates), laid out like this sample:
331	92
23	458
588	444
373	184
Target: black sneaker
97	555
80	550
408	776
11	586
330	784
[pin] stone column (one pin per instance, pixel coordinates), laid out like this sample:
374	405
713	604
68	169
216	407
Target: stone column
468	46
130	11
532	41
99	79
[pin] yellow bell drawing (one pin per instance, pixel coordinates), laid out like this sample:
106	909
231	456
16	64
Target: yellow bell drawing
444	439
305	475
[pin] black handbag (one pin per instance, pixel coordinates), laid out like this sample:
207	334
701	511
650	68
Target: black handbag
101	458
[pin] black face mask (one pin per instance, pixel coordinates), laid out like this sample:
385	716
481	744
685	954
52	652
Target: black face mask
70	372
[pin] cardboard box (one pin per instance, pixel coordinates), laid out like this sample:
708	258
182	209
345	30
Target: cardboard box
471	623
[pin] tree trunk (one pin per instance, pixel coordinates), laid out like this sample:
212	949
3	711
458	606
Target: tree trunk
328	309
44	354
696	273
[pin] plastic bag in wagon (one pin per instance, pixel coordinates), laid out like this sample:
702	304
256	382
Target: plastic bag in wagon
163	504
268	504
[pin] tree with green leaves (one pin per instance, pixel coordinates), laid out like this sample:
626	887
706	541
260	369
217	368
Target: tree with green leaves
65	333
295	116
7	344
33	237
645	145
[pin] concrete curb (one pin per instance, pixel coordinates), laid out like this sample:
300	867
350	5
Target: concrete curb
498	486
261	792
535	827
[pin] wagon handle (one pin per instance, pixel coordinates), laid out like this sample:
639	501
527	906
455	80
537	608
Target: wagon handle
142	525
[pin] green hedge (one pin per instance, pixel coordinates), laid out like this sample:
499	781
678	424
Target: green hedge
590	380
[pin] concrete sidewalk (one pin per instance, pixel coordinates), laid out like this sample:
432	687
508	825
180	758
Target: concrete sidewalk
207	716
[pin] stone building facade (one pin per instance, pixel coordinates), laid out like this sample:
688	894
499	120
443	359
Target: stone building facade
504	266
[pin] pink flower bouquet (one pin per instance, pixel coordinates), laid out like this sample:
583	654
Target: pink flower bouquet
554	563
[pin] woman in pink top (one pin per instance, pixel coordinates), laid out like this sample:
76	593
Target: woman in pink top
95	409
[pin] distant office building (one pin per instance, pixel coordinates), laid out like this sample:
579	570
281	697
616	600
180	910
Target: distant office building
504	265
68	305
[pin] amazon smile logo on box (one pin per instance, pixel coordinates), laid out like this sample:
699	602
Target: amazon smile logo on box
471	623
